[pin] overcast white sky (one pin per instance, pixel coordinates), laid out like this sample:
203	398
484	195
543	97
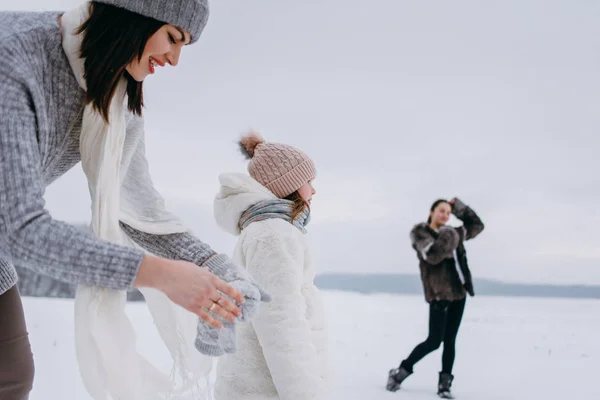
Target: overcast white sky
399	103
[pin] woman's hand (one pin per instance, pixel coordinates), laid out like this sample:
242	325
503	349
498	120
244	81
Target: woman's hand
192	287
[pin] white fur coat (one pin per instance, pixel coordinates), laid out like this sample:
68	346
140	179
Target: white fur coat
282	354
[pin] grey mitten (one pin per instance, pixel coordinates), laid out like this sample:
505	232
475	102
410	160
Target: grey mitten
207	340
239	278
227	338
216	342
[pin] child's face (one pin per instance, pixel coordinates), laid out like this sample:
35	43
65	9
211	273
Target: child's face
307	191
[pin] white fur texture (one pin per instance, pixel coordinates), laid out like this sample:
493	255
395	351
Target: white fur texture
282	354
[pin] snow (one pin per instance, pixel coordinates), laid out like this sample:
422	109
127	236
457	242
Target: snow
508	348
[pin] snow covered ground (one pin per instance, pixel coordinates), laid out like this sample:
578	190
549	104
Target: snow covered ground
508	348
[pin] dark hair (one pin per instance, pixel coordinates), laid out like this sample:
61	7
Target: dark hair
299	204
434	206
113	38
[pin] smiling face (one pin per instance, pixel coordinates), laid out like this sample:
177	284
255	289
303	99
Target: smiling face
440	214
163	47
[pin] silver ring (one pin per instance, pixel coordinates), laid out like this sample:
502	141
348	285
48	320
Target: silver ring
212	307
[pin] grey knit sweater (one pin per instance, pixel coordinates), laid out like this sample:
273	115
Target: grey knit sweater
41	106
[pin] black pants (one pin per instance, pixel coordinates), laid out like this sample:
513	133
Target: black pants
16	360
444	321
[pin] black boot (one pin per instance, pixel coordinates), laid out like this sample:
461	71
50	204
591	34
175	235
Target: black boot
395	377
444	385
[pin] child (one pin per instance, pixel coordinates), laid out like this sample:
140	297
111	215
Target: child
282	354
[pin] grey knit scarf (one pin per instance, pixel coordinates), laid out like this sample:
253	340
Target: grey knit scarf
275	208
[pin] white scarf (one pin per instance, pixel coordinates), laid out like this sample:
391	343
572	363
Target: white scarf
110	365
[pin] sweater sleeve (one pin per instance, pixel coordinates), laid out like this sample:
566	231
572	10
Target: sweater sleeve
281	326
33	239
175	246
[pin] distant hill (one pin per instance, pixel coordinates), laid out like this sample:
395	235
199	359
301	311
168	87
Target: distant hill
34	285
411	284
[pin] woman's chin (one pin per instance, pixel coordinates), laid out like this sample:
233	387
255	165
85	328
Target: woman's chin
137	76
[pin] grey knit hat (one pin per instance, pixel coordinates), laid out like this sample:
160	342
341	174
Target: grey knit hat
280	168
190	15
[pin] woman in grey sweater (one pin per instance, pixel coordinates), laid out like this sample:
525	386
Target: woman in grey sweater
41	110
441	255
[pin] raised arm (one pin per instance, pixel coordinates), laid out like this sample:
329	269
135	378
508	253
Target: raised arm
472	224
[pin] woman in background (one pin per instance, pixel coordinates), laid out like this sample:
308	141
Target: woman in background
439	248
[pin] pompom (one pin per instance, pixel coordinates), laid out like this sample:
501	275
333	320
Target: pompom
249	142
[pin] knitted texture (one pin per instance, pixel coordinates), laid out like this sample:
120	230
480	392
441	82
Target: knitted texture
41	110
275	208
190	15
215	342
281	168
